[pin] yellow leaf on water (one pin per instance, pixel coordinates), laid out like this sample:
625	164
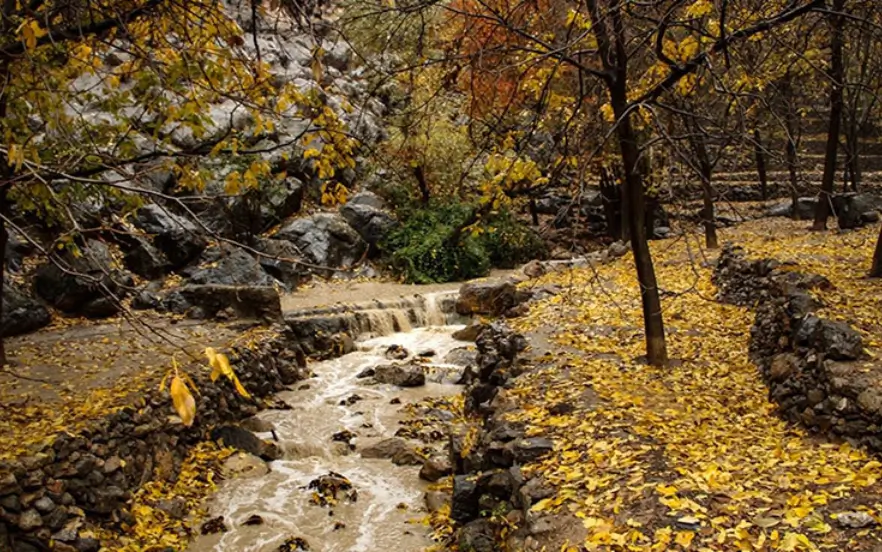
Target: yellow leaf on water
183	401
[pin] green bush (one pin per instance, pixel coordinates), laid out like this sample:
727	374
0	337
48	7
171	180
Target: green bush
425	249
428	248
509	243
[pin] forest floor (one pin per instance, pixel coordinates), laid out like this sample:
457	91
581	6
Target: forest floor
693	456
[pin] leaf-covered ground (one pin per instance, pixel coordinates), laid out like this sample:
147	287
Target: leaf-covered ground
693	456
75	373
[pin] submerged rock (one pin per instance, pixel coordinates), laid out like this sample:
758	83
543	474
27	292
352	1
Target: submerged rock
242	439
328	488
406	375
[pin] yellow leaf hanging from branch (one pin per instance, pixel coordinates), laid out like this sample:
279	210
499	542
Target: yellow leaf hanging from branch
220	366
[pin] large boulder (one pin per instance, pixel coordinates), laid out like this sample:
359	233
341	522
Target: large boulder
372	224
17	248
21	313
369	199
178	238
219	301
325	239
144	259
805	208
855	210
492	298
83	283
279	260
837	340
230	266
402	375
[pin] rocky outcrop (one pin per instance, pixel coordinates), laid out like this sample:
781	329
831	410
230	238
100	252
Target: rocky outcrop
371	223
402	375
856	210
805	208
229	266
490	298
217	301
176	237
815	368
21	313
325	240
85	283
56	491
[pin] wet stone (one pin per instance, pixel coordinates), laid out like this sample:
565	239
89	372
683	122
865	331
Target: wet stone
30	520
214	526
464	504
253	519
435	468
295	544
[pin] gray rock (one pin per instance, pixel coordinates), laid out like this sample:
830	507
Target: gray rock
850	209
44	505
805	207
325	239
492	298
461	356
837	340
231	266
144	259
435	468
464	503
395	449
175	507
470	332
82	287
532	448
369	199
178	238
213	301
21	313
407	375
436	500
372	224
280	261
855	520
30	520
477	536
242	439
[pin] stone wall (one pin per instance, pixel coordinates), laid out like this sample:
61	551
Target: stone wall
490	494
816	369
87	477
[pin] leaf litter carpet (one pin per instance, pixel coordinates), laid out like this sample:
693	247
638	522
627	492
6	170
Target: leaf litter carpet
693	456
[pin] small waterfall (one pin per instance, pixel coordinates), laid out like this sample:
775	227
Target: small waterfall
380	318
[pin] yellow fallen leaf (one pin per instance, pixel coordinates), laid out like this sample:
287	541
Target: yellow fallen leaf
183	401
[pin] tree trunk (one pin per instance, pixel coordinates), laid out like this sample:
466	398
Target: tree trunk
613	51
656	348
534	214
852	148
836	75
420	175
876	268
699	147
790	146
6	173
760	164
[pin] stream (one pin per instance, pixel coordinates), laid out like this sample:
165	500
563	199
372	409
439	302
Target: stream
389	507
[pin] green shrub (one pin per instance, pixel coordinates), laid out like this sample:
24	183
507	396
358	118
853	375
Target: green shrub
425	249
510	243
428	248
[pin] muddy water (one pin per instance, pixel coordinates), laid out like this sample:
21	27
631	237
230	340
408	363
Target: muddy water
389	507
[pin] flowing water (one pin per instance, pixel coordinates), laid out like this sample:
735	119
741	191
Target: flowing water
390	505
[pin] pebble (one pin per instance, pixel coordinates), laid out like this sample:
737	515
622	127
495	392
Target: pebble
855	520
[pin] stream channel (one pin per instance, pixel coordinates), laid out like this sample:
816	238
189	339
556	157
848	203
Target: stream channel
389	508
